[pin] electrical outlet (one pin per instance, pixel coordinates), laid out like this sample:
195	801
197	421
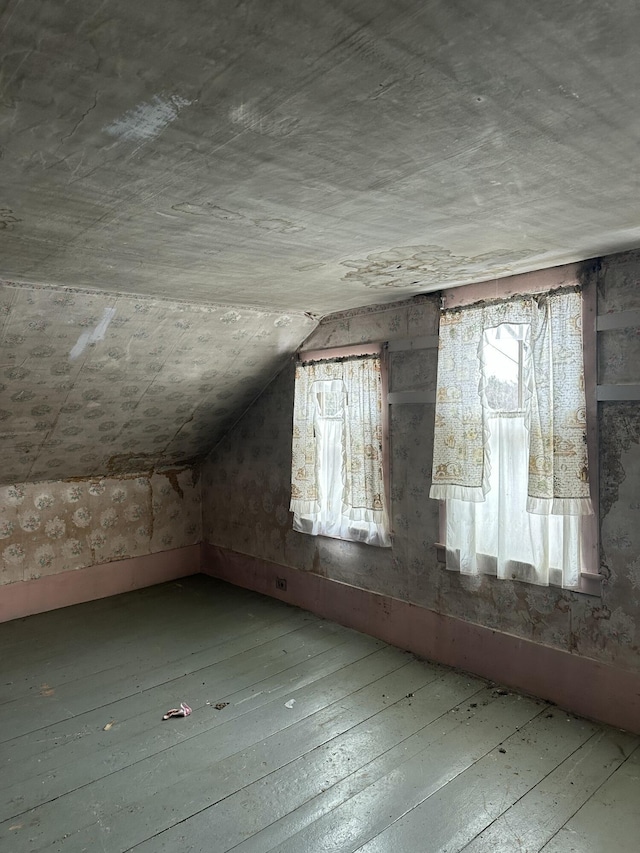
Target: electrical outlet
281	583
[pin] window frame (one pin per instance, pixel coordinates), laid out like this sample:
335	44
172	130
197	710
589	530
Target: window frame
545	281
372	348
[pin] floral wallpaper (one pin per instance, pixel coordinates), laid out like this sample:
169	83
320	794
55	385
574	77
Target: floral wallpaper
246	494
393	321
100	384
58	526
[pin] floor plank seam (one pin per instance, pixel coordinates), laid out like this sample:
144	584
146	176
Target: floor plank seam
448	782
138	693
528	791
380	750
362	768
302	755
593	793
168	748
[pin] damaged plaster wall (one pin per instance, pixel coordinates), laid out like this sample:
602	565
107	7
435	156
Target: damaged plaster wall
246	494
58	526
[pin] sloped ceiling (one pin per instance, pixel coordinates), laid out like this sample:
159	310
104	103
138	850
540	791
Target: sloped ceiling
277	158
96	384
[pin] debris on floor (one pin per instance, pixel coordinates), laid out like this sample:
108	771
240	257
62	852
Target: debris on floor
220	705
183	711
108	726
290	703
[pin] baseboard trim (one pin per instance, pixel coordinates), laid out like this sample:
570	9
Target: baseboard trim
51	592
584	686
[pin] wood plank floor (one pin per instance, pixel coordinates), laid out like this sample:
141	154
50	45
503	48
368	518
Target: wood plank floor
328	740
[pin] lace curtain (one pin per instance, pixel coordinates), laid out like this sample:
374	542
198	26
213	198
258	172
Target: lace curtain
337	486
516	483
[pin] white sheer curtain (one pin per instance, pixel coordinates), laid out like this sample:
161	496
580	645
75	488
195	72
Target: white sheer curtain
337	484
510	453
499	536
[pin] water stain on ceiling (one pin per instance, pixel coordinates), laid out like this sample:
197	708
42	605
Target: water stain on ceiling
427	267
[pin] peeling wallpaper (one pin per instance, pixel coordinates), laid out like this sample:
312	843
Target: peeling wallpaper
253	518
58	526
96	384
394	321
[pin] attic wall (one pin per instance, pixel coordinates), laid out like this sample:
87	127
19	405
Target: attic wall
246	496
58	526
97	384
246	481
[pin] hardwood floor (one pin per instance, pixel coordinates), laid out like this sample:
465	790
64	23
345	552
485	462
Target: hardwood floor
328	740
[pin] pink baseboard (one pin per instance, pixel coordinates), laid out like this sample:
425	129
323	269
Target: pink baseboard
53	591
584	686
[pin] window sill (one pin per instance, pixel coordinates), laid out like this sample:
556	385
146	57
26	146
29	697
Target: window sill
590	583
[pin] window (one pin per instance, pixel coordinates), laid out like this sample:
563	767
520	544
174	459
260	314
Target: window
510	447
337	482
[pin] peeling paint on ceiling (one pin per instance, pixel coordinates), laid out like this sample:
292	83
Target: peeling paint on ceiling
416	266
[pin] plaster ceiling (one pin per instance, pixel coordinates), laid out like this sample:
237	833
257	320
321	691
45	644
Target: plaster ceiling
314	155
273	160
